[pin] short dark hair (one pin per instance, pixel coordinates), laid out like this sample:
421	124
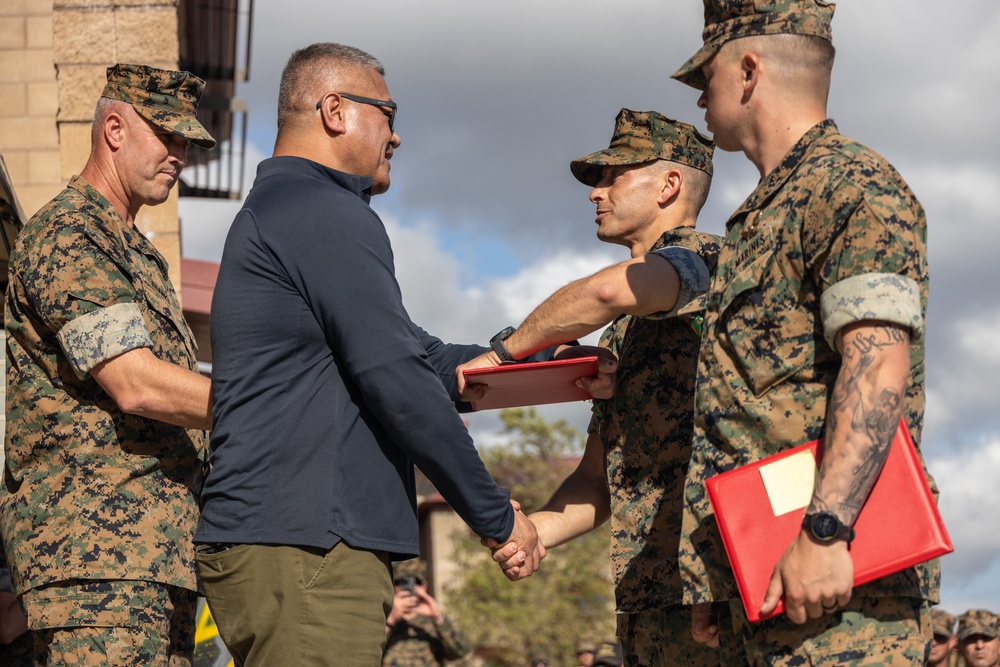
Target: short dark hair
301	71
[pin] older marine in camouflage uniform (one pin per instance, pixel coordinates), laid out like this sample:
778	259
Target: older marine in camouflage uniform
105	407
814	328
420	635
637	455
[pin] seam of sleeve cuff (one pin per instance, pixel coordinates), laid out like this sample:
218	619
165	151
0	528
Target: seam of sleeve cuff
103	334
871	296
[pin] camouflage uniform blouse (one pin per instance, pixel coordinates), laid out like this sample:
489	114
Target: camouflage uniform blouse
832	236
647	430
420	643
91	492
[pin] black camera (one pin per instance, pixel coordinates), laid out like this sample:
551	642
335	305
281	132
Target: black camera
407	583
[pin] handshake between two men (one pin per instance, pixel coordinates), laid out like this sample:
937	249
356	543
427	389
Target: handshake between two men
521	555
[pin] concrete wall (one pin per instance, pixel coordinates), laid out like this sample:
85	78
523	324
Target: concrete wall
29	137
53	57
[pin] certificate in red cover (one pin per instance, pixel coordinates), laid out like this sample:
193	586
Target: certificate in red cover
533	383
759	509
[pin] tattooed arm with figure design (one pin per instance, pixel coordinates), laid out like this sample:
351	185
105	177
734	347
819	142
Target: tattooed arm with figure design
863	413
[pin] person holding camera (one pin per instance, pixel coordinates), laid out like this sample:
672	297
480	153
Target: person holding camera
418	634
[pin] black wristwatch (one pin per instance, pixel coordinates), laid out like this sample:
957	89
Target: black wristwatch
497	344
825	527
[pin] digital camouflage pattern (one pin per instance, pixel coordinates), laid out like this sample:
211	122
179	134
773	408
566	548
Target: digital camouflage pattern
832	211
977	622
166	98
647	431
726	20
420	643
608	654
868	632
642	136
411	567
116	623
942	622
663	637
20	651
6	583
91	492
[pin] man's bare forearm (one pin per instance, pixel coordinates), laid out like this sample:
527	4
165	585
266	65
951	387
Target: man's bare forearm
862	417
580	504
640	286
142	384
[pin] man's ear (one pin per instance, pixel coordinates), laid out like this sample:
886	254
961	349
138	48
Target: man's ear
115	130
671	180
333	113
751	73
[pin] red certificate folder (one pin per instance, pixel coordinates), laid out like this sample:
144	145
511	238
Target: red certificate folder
898	527
533	383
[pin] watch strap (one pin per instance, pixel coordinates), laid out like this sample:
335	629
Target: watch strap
499	348
844	532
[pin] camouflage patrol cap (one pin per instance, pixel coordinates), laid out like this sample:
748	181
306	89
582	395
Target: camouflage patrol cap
166	98
642	136
942	622
977	622
608	653
584	646
726	20
414	567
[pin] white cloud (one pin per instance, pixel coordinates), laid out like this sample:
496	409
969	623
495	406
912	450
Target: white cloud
963	394
970	498
205	222
436	299
521	293
980	339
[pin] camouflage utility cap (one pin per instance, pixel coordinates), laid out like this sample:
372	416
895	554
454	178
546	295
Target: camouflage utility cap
609	654
942	622
413	567
165	98
643	136
726	20
977	622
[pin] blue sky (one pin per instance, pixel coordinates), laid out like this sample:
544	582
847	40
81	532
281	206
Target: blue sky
496	98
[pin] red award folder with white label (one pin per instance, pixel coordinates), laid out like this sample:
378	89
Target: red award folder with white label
533	383
759	509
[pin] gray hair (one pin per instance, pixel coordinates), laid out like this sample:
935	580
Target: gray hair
105	106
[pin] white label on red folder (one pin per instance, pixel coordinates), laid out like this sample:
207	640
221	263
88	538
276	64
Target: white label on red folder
789	482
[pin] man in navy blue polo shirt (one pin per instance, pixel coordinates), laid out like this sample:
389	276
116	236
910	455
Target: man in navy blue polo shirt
326	392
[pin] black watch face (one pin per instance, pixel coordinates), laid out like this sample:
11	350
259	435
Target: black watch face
825	526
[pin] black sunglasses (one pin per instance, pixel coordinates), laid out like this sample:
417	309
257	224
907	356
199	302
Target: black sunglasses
382	104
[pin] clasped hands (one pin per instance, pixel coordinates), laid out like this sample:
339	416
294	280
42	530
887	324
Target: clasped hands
521	555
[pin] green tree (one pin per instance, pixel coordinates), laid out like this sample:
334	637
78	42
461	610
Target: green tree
571	596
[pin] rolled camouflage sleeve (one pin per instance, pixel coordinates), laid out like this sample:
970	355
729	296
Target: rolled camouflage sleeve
103	334
693	272
872	296
876	266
